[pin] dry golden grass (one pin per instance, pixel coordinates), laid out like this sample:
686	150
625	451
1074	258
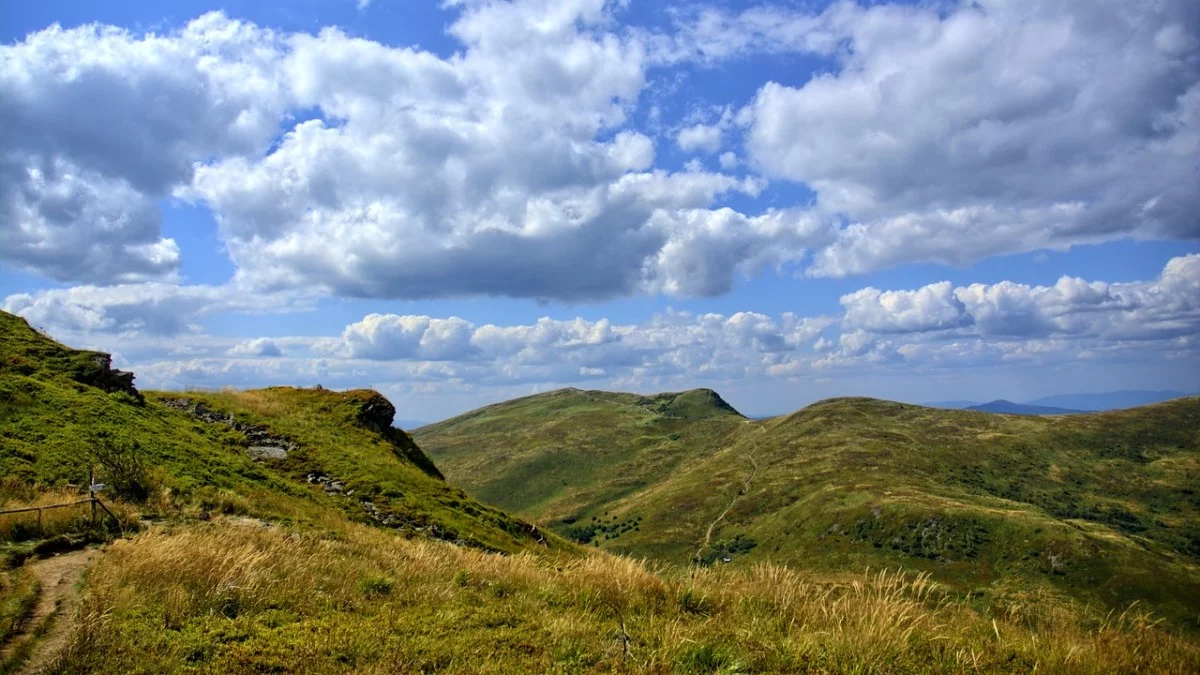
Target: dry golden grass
73	519
240	598
52	522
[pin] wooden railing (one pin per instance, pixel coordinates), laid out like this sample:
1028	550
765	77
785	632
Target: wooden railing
91	498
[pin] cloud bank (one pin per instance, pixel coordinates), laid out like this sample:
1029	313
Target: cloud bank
879	332
513	167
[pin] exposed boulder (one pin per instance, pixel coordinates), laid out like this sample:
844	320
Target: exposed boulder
377	412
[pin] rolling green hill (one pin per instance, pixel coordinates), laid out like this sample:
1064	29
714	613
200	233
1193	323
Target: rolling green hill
570	452
1103	507
294	530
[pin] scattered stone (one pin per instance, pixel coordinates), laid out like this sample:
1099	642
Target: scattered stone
261	444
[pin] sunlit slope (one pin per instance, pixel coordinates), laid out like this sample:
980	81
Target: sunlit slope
59	405
1102	506
569	452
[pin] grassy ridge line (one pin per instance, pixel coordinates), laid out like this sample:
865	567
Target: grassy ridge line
560	455
1105	507
225	598
854	483
373	468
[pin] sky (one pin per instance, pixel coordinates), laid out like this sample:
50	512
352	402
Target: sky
465	202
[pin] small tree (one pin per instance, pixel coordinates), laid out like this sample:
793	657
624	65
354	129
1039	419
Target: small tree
124	465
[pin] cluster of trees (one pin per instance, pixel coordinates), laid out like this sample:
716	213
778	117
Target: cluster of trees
601	528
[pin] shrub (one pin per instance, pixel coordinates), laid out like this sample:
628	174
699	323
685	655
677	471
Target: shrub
124	467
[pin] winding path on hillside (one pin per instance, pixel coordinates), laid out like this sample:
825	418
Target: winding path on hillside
745	489
57	601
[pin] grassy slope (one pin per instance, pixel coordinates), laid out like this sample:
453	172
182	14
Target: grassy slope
319	592
569	452
233	599
1102	507
49	421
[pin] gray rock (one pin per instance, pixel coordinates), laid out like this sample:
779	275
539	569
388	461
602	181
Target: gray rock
261	452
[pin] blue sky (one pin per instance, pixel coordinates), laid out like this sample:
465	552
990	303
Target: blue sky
461	203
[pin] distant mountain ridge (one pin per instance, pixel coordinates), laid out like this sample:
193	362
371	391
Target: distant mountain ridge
1093	402
1009	408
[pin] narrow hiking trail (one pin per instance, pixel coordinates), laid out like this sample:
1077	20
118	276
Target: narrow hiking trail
745	489
57	601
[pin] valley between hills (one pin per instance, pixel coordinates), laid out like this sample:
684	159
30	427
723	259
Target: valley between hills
296	530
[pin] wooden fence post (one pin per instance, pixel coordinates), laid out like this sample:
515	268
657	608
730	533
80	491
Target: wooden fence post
92	491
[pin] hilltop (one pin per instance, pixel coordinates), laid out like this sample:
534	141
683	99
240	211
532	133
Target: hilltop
295	530
1101	507
1009	408
567	452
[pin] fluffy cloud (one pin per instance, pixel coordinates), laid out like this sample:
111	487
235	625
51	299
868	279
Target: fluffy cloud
954	135
1166	308
495	173
387	336
704	137
1008	321
939	326
933	326
929	308
513	167
569	347
261	347
97	123
503	170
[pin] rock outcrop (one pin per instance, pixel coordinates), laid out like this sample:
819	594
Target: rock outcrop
96	370
261	444
377	413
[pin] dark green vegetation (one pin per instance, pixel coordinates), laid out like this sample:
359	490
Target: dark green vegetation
1101	507
328	454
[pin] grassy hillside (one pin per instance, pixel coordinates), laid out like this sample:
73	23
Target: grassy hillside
236	599
296	531
570	452
1102	507
62	410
